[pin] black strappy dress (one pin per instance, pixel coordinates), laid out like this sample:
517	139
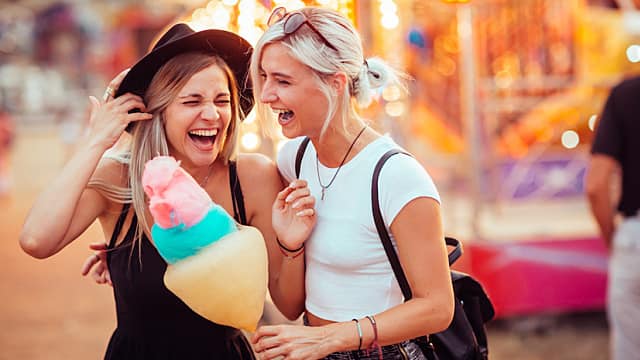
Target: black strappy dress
152	322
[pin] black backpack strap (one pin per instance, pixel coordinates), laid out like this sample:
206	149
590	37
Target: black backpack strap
301	149
457	249
382	230
384	234
239	213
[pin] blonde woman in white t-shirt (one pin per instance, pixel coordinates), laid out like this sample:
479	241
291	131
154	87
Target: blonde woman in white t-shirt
308	69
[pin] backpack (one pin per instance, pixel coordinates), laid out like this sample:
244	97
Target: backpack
466	337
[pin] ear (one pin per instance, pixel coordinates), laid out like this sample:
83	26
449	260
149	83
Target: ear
339	82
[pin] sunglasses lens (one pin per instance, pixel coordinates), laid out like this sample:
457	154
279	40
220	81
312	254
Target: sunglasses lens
277	15
293	23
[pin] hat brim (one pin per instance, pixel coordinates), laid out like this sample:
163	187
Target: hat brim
233	49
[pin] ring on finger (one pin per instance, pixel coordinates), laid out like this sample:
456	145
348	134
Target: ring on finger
108	93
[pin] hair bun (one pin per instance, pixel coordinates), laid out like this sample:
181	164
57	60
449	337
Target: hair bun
377	72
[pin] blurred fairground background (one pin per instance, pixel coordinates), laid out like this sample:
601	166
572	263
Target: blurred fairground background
504	99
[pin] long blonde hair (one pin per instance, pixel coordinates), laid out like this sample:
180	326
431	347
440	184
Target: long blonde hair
149	138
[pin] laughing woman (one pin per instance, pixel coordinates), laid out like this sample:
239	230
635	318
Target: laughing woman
309	69
190	90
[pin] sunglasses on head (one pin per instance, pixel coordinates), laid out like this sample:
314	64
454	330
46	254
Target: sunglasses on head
293	21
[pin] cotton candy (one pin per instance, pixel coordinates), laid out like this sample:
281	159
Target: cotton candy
216	267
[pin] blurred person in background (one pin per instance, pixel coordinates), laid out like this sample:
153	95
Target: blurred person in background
7	137
192	92
616	154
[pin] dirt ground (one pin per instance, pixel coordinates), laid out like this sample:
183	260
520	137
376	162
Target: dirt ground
50	312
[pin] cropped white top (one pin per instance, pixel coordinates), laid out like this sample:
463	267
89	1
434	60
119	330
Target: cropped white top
348	274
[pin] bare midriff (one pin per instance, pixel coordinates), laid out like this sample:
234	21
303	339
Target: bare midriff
316	321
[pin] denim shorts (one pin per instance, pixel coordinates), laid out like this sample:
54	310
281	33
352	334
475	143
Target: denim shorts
406	350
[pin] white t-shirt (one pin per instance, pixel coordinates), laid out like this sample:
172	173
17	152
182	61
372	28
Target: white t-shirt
348	274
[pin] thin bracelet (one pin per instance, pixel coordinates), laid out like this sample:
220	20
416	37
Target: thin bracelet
359	333
287	249
374	344
288	255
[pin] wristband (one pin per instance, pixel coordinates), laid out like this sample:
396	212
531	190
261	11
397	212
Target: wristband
287	249
289	255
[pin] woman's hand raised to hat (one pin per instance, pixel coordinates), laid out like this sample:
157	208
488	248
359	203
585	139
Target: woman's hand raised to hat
114	84
109	120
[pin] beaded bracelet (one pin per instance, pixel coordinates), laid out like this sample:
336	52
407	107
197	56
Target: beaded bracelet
374	343
359	333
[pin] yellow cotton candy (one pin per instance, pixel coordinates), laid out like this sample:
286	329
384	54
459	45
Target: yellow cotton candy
226	282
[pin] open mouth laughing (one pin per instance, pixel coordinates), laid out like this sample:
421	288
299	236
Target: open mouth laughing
203	138
284	116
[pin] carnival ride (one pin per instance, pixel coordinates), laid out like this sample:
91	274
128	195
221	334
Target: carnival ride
514	94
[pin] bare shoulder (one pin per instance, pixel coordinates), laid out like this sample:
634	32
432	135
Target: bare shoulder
112	171
260	181
257	169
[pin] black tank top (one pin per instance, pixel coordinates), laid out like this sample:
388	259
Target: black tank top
152	322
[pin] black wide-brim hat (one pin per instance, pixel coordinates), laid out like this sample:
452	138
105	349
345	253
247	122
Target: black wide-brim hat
180	39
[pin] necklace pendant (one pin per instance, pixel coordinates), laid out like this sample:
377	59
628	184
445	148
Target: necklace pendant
325	187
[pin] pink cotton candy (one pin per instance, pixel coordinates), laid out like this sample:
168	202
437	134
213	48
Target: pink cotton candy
174	196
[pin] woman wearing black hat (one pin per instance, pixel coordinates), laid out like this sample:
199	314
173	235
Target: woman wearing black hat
185	99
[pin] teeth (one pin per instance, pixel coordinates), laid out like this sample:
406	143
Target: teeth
281	111
212	132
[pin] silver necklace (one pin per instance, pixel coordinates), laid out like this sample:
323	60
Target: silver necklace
325	187
204	181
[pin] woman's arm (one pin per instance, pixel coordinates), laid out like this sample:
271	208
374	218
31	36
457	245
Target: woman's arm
603	171
66	207
286	276
418	232
422	251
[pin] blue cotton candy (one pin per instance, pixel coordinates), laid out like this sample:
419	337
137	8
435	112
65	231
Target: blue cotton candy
177	243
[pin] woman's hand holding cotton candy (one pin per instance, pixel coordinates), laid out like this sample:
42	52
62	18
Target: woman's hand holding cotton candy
294	215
